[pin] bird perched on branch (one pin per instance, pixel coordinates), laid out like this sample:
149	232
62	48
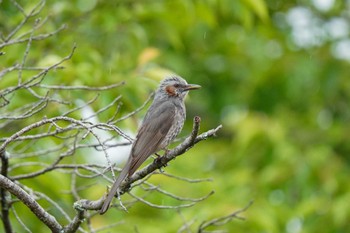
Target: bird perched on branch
162	123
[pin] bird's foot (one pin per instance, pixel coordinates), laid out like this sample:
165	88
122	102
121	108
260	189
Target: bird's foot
158	160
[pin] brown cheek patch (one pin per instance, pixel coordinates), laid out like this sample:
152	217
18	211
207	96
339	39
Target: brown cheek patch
170	90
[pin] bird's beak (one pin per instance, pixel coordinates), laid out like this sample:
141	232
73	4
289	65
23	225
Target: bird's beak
189	87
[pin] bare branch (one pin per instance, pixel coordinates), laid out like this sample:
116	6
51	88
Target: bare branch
157	164
33	109
20	221
176	197
133	112
75	224
161	206
24	59
188	180
186	225
36	9
55	204
30	202
8	69
19	7
36	38
4	194
223	220
104	108
38	124
36	79
88	88
108	226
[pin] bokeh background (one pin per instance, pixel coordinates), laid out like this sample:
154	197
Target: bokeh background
274	73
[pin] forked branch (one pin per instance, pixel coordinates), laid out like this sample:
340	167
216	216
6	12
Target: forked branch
189	142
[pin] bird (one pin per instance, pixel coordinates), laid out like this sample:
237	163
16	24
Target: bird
162	123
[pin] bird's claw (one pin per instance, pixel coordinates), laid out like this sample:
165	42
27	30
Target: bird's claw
159	160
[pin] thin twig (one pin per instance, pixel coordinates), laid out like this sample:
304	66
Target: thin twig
36	79
34	38
176	197
161	206
20	221
223	220
87	88
133	112
36	9
188	180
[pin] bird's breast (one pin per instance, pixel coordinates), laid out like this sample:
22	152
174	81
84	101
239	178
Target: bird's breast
176	127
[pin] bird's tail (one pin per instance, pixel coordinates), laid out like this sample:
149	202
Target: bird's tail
123	174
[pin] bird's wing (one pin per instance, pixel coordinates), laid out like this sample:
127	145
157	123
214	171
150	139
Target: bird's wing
152	132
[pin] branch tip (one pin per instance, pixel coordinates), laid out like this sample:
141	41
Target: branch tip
197	119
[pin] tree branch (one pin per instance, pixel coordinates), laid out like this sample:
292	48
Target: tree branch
4	195
30	202
75	224
158	163
222	220
88	88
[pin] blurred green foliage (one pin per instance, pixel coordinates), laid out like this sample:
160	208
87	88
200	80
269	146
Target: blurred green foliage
284	108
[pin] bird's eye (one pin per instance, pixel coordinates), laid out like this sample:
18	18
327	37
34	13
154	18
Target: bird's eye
176	85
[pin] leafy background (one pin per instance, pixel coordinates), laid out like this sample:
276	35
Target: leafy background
278	84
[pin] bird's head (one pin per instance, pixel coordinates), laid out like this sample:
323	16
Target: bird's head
175	86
